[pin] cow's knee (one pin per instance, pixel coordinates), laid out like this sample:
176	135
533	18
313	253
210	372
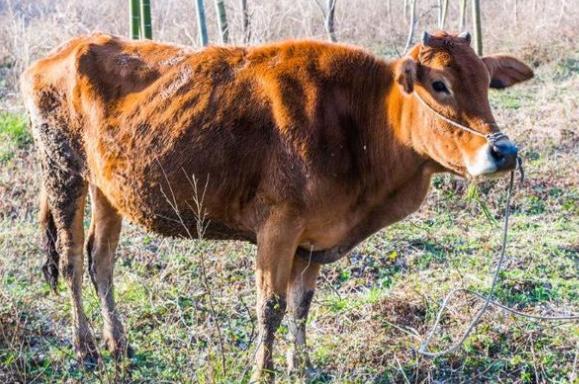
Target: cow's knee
271	312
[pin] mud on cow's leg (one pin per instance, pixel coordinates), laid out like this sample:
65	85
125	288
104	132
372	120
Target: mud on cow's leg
67	207
102	242
62	208
270	312
276	246
300	294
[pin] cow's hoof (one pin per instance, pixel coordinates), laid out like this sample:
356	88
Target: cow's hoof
119	349
87	352
262	377
300	366
90	360
305	374
312	374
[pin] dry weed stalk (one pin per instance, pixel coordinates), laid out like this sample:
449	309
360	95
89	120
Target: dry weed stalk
202	224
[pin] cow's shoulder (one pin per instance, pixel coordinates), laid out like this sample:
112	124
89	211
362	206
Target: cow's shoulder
111	67
106	66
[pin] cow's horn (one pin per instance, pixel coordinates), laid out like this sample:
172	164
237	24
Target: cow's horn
465	36
426	38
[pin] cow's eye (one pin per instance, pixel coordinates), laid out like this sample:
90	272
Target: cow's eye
439	86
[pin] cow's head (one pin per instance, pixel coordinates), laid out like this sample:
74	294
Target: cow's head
452	81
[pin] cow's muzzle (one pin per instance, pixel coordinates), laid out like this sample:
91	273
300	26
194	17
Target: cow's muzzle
504	152
498	155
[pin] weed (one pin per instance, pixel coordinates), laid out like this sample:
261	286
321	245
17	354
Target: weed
14	135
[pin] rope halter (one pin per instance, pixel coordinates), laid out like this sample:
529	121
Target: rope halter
493	138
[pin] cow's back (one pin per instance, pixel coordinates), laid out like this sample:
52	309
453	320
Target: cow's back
158	127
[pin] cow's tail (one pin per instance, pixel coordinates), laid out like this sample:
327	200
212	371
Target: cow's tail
49	237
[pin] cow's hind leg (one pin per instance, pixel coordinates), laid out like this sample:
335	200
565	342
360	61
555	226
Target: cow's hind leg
102	242
300	294
66	198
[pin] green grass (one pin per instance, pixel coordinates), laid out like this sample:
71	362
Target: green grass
508	99
14	135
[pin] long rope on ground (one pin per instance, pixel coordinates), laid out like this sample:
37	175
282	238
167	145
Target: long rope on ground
488	299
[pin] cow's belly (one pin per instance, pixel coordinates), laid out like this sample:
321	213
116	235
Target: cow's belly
147	201
164	220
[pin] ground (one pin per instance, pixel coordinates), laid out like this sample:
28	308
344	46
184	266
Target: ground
371	309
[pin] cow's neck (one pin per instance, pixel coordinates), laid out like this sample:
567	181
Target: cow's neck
400	174
398	161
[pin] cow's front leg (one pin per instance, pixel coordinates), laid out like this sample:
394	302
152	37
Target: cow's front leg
276	246
300	294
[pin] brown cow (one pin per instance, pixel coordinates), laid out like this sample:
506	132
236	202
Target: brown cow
302	147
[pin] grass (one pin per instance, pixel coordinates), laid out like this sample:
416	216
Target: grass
14	135
370	309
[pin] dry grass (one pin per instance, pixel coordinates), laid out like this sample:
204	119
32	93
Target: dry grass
371	307
29	28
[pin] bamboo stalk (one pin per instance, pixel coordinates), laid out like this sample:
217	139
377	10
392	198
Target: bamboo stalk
330	20
462	17
476	19
135	19
201	22
245	14
412	25
443	13
146	24
222	21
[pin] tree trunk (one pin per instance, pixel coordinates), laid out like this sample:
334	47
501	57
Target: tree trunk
135	19
201	22
146	24
412	25
476	20
245	14
443	13
330	11
222	21
462	17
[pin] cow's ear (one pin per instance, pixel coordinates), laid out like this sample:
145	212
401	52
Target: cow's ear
406	74
506	70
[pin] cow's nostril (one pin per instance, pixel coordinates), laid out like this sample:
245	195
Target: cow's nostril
496	153
504	153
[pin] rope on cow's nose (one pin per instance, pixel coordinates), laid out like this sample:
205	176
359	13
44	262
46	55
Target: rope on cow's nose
449	120
488	299
492	138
